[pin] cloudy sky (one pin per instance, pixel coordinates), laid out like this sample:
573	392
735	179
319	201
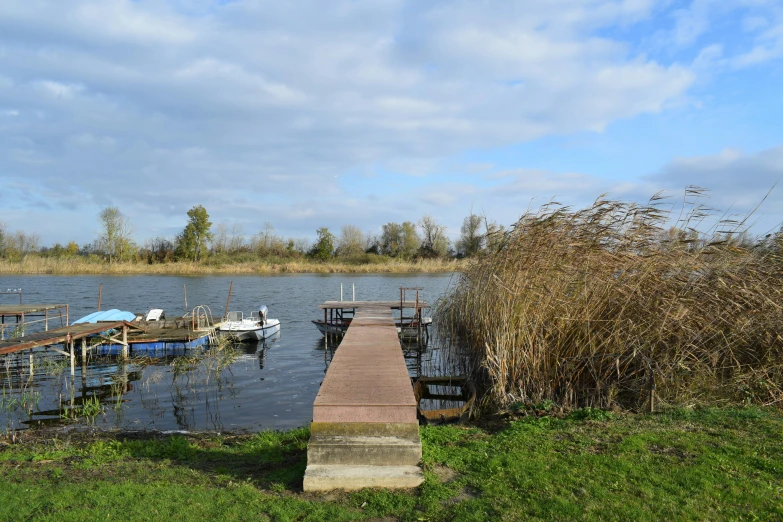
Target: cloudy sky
307	113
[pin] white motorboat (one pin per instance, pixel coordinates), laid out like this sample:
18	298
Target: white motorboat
253	328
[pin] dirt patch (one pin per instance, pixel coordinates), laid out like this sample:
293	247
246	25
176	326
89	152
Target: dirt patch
467	493
444	473
671	451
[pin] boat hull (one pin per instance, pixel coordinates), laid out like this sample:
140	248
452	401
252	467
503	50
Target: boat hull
250	332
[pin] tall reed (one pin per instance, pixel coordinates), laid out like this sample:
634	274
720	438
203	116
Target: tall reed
609	306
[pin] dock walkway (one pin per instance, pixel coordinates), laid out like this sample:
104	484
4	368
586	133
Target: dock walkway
364	431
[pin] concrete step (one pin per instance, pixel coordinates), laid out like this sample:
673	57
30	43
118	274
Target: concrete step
363	450
325	478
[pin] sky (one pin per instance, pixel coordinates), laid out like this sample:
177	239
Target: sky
306	114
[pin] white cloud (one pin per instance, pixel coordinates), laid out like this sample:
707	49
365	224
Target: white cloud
58	90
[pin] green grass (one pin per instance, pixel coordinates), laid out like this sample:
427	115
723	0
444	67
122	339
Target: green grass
711	464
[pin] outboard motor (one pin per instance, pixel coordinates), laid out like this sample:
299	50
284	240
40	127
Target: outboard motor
262	311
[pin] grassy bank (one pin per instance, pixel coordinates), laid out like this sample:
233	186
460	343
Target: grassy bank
76	266
712	464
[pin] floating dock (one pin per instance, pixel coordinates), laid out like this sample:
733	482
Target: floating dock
365	432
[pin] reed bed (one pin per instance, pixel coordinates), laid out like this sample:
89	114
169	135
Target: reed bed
610	307
74	266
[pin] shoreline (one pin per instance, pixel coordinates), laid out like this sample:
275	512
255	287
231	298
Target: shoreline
47	266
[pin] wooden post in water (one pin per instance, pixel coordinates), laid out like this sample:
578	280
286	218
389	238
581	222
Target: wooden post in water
124	342
185	289
100	295
228	300
73	358
84	361
31	364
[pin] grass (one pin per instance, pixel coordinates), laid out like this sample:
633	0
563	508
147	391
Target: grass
608	306
714	464
73	266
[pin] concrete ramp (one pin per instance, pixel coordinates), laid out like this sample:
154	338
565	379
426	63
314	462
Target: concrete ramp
364	431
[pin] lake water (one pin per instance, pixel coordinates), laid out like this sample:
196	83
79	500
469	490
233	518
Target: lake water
268	385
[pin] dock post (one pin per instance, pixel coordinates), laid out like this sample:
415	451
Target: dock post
84	362
124	342
31	364
353	291
73	358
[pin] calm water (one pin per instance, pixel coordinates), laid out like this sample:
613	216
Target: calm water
271	385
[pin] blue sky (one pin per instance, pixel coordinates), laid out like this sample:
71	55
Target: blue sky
306	114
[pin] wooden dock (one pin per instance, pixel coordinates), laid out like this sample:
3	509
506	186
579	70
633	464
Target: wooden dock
22	314
64	335
364	431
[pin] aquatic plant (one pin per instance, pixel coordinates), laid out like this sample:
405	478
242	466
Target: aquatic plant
612	305
25	400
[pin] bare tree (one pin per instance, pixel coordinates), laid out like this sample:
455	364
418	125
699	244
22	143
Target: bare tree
237	238
351	241
434	242
220	239
19	244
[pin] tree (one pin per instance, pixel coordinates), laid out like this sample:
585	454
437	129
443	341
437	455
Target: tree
410	240
351	242
324	247
471	239
236	241
19	244
159	250
220	239
2	239
72	250
114	237
391	236
434	242
400	240
192	242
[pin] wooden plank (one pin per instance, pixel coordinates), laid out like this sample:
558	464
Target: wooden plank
6	310
367	380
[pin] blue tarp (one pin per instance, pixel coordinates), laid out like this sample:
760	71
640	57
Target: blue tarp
107	315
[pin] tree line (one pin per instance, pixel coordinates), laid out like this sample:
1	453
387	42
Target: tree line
200	241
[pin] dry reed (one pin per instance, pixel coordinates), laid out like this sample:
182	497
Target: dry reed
72	266
608	307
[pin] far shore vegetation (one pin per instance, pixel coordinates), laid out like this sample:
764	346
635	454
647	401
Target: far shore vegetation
202	248
34	264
